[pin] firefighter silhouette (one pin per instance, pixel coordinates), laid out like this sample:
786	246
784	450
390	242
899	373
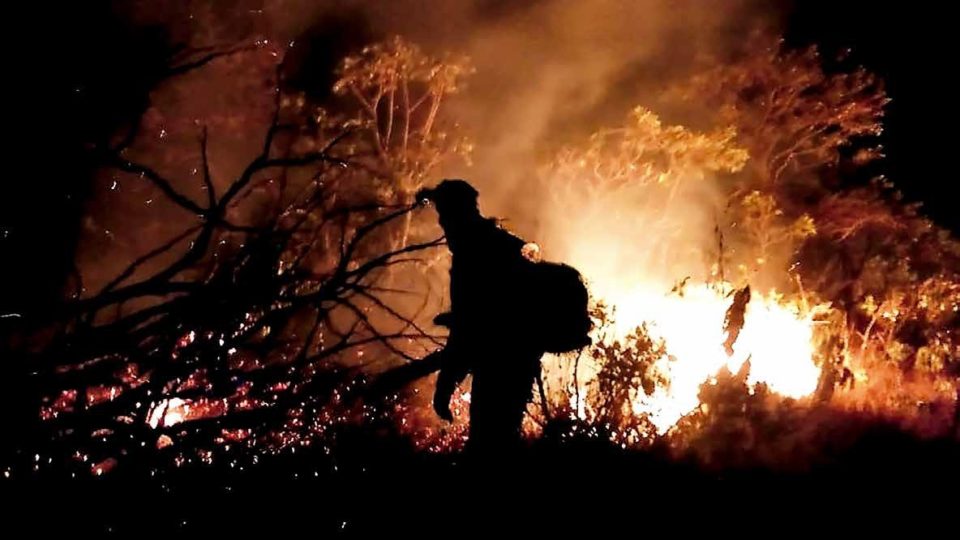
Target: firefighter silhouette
495	334
485	334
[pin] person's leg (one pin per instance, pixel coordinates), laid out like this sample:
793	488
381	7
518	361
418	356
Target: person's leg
498	402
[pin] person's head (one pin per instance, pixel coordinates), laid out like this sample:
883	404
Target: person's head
454	199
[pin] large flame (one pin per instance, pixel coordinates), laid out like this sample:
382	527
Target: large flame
776	337
639	208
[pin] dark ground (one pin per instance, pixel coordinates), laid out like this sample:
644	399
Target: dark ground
886	479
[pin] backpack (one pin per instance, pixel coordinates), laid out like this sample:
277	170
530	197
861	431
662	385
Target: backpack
559	300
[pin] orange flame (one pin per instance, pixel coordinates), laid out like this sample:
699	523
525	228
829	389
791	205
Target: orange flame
777	339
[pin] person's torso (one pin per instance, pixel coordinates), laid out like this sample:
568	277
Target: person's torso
486	279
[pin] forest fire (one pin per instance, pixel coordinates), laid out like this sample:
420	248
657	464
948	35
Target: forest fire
259	250
776	339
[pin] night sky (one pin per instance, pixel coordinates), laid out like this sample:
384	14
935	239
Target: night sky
912	46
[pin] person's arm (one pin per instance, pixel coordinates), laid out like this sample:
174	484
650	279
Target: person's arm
448	379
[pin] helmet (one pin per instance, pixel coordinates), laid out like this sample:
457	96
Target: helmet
451	195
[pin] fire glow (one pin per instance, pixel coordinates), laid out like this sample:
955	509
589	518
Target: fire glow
776	338
644	212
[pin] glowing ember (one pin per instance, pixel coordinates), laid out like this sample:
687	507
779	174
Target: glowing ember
164	441
175	410
168	412
105	466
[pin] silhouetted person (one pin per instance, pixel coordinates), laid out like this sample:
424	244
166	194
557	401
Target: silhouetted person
489	337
